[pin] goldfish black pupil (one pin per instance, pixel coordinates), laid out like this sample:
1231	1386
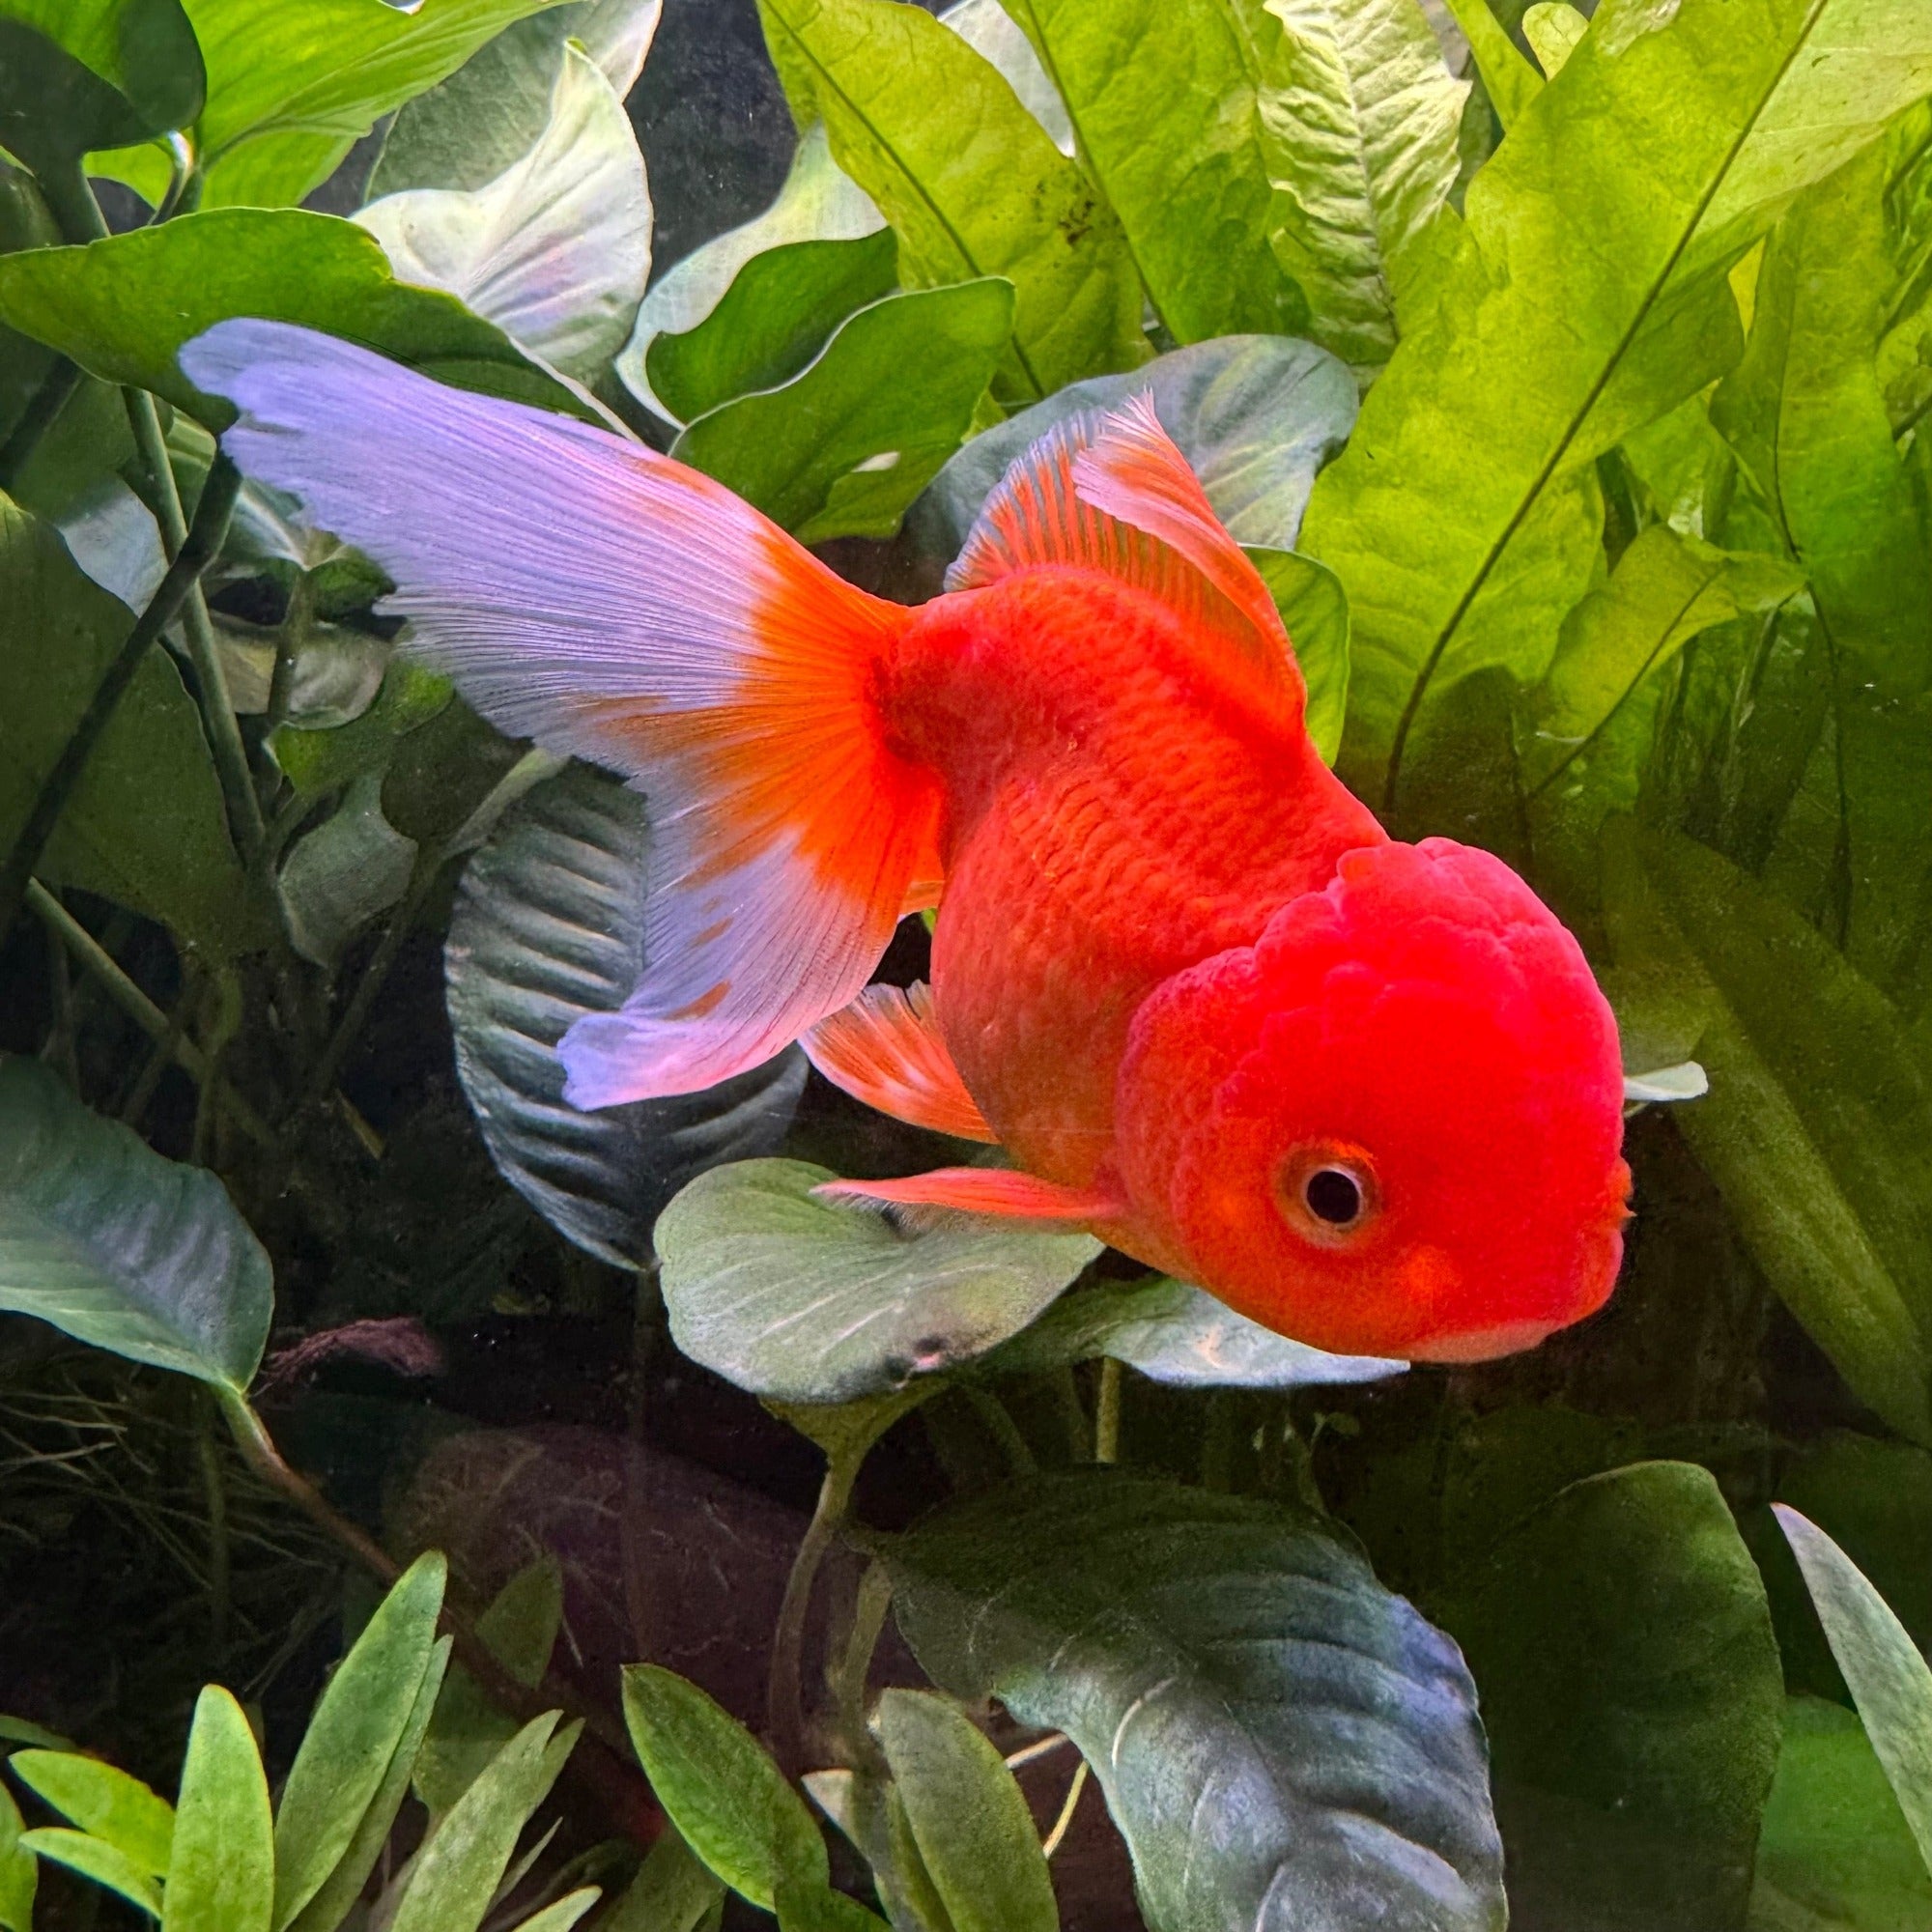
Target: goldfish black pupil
1333	1196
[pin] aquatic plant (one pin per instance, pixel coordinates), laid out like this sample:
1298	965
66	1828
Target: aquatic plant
1564	378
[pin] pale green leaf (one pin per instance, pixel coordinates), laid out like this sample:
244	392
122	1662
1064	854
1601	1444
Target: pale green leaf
19	1870
1509	79
1553	28
561	1916
222	1875
103	1801
1314	611
94	1859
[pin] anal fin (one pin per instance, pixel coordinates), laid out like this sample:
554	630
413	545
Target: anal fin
884	1049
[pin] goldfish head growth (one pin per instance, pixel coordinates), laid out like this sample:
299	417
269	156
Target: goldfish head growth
1391	1127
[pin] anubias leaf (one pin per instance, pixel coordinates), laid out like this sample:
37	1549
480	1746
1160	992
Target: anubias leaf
971	181
222	1875
122	1249
812	1302
549	926
1282	1743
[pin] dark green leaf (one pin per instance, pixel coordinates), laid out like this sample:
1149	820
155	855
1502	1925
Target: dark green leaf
811	1302
318	761
802	1909
672	1891
719	1787
971	183
968	1816
1246	1693
771	322
350	870
1632	1692
548	926
222	1876
104	1801
122	307
843	448
122	1249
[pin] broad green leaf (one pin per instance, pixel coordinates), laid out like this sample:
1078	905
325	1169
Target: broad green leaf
548	926
1175	1333
143	825
1359	117
122	1249
1255	417
771	322
1804	412
1834	1846
973	184
104	1801
1553	28
1162	97
19	1869
466	130
122	307
556	249
337	673
800	1909
1888	1677
968	1816
352	869
25	224
816	204
843	448
291	89
222	1875
719	1788
811	1302
988	29
456	1874
1314	611
469	1728
318	761
358	1725
94	1859
1665	589
1818	1125
1244	1689
340	1889
1581	299
81	74
1511	82
1632	1694
672	1891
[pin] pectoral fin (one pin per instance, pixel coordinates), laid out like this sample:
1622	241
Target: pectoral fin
1001	1192
884	1049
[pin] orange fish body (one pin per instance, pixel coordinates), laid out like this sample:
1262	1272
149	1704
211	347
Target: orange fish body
1367	1092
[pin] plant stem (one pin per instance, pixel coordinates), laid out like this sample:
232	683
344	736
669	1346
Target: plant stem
1005	1431
214	1490
95	960
1107	1413
43	410
59	1051
785	1695
203	540
1052	1841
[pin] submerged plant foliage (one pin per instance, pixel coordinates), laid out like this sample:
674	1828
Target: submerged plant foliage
1565	374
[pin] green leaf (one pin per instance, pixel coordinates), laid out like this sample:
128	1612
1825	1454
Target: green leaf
1632	1693
470	1727
549	925
19	1869
816	204
802	1909
466	130
94	1859
144	824
771	322
1244	1689
1580	300
1889	1679
81	74
1161	95
457	1873
354	1736
291	89
122	1249
968	1816
1818	1125
1359	117
865	1809
222	1876
672	1891
556	249
1174	1333
563	1913
843	448
1833	1844
350	870
343	1887
719	1788
122	307
1553	28
318	761
1509	79
811	1302
104	1801
1256	418
1315	611
972	183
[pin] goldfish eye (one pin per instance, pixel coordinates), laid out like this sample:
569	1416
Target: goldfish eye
1327	1191
1333	1195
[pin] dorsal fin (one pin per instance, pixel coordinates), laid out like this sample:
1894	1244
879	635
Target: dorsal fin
884	1048
1111	491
